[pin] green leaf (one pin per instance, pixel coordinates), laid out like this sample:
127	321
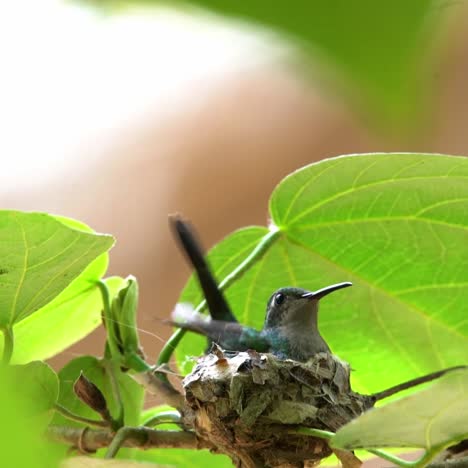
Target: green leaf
38	383
22	443
71	316
433	417
124	311
97	371
395	225
39	257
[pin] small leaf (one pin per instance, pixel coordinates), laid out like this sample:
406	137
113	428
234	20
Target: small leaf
124	311
40	256
433	417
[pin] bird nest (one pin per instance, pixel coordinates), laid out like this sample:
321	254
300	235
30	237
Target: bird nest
249	405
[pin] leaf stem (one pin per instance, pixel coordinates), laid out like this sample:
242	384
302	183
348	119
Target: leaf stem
76	417
260	249
313	432
163	417
136	363
111	338
121	436
111	368
8	344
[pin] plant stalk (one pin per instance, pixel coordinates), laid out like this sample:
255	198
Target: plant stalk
8	344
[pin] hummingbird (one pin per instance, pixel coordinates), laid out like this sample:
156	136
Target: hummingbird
290	330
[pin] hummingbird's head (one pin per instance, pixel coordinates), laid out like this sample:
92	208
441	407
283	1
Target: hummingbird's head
296	306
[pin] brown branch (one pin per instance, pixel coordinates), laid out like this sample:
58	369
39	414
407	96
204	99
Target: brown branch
90	440
157	386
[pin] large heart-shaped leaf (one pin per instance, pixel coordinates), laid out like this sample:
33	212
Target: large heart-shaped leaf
395	225
39	257
430	418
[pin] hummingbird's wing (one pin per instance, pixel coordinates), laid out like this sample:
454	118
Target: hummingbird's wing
229	335
217	304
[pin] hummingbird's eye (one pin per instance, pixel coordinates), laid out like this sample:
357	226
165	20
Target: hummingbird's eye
279	299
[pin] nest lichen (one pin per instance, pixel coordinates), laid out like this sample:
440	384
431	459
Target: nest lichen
247	405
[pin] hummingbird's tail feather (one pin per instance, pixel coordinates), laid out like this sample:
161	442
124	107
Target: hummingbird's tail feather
217	304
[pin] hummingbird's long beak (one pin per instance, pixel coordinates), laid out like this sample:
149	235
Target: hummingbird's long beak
325	291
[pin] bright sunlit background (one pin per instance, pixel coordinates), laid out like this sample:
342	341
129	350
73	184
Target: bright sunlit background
75	77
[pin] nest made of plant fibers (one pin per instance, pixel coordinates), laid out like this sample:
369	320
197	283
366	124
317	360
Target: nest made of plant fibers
248	405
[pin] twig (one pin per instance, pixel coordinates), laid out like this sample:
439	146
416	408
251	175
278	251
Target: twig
156	386
110	368
136	437
76	417
412	383
164	417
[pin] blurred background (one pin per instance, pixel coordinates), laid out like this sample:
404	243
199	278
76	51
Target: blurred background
119	113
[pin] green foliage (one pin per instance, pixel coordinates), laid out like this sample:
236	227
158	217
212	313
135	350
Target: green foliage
49	267
21	441
393	224
40	256
99	372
